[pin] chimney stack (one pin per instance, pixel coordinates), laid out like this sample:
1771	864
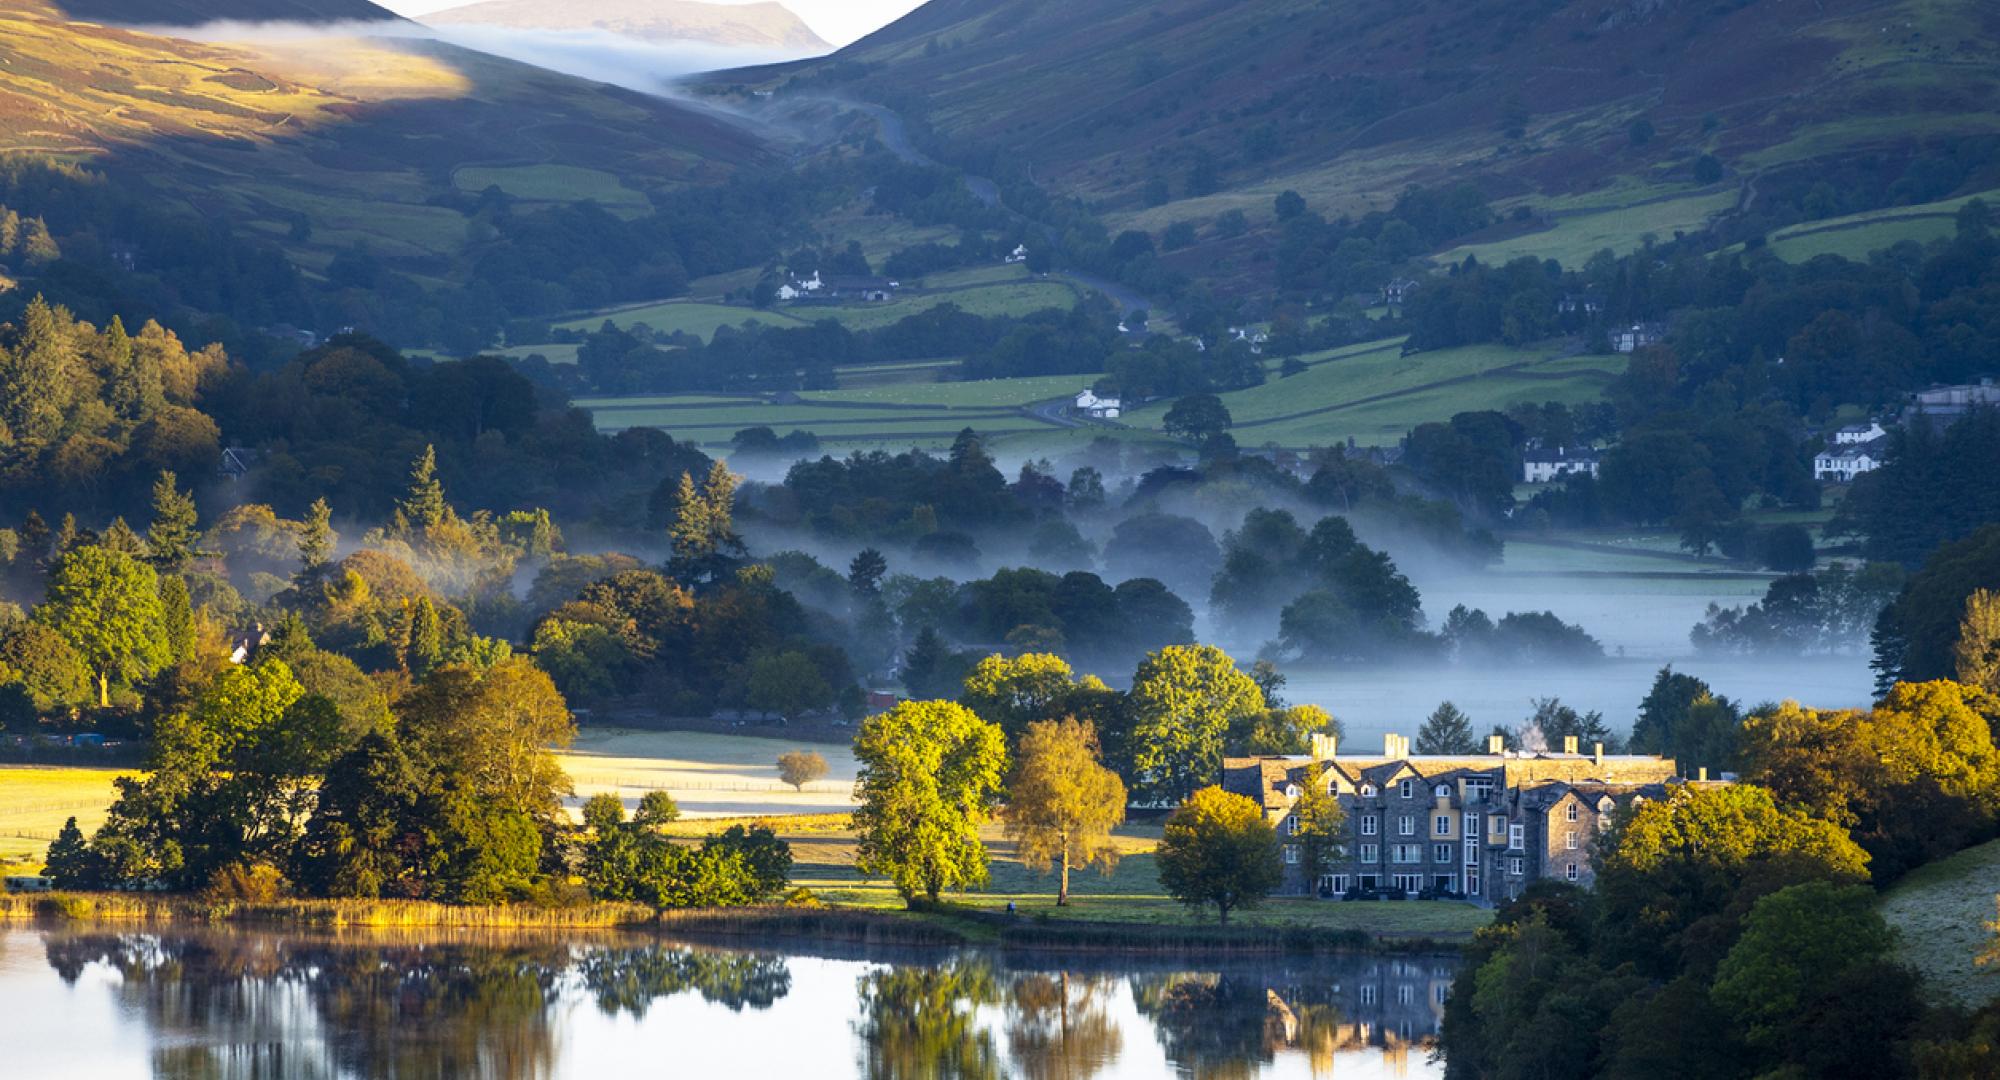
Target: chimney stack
1323	746
1597	755
1395	747
1701	774
1496	744
1569	744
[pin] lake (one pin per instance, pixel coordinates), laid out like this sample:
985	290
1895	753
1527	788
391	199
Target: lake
244	1003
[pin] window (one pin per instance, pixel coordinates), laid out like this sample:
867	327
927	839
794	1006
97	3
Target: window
1291	791
1478	787
1334	884
1445	883
1406	825
1604	823
1471	882
1291	826
1471	852
1499	827
1405	994
1514	866
1441	853
1409	853
1407	789
1517	836
1569	840
1440	991
1443	825
1367	993
1410	883
1370	853
1368	824
1442	791
1570	811
1368	791
1292	854
1472	826
1570	871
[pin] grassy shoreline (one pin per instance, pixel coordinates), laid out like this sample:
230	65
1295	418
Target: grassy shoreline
942	925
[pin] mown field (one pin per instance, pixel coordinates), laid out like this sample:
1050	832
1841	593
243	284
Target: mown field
1940	913
35	801
1856	236
1579	232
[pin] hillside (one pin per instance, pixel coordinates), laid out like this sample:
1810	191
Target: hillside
195	12
763	25
329	142
1350	101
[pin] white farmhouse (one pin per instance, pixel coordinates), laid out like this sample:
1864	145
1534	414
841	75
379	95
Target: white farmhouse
1019	254
1098	408
1858	433
800	289
1843	461
1540	466
1637	336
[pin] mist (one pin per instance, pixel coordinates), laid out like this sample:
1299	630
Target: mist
647	67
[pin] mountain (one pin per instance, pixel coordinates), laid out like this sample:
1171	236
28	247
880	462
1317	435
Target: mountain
1545	105
192	13
329	141
764	26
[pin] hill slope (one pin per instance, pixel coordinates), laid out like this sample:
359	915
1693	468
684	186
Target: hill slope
763	25
195	12
333	141
1348	101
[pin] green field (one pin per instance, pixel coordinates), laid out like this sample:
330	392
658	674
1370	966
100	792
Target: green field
682	316
1940	912
981	292
1856	236
1375	394
553	183
1579	234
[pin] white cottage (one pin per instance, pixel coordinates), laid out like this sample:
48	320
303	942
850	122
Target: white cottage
1098	408
1842	462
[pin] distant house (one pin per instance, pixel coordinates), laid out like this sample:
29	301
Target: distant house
1637	336
1019	254
1586	303
1858	433
1256	339
245	646
1943	406
1539	466
236	462
800	288
1399	290
1098	408
866	290
1843	461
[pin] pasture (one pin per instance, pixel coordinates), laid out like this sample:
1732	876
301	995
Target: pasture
709	775
1940	913
35	801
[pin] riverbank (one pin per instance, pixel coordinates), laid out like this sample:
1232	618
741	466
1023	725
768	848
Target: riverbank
940	925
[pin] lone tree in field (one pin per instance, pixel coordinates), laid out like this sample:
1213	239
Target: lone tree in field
1197	418
1064	803
930	774
1218	849
1447	731
800	767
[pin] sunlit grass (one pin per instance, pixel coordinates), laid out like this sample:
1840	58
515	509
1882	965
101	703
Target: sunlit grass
1940	912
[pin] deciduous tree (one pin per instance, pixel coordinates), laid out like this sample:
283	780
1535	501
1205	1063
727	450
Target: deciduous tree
801	767
1063	803
1218	849
1184	698
106	604
930	774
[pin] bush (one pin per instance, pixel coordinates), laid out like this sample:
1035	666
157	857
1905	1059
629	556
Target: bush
250	883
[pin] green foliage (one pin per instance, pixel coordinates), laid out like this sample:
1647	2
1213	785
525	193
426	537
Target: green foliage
788	683
930	774
1918	633
1198	418
1797	942
1447	731
423	505
107	606
1016	691
1978	650
49	671
1319	830
172	535
69	865
1183	700
1218	849
1280	731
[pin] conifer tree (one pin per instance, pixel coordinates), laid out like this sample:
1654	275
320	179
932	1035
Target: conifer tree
316	543
426	639
423	505
1447	731
173	532
177	616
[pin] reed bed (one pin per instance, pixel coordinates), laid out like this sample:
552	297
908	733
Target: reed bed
319	914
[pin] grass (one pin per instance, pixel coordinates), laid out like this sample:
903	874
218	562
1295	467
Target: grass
1856	236
709	775
553	183
1940	912
1005	295
984	392
1579	234
36	800
683	316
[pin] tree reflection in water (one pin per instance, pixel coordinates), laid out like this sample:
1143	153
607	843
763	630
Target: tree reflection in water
1057	1026
254	1005
922	1023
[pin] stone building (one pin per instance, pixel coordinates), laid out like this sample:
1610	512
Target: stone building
1481	827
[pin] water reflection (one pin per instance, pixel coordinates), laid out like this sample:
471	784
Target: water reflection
245	1004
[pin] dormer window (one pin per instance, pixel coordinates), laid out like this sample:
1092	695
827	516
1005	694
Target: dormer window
1604	805
1368	791
1408	789
1292	792
1442	791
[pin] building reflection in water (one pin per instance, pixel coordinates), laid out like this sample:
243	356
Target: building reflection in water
243	1004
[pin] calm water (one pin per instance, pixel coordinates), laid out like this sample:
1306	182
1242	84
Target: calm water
231	1003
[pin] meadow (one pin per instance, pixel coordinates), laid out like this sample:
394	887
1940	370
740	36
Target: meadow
1940	912
36	800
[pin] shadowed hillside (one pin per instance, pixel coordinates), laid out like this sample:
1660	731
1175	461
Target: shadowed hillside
1348	101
